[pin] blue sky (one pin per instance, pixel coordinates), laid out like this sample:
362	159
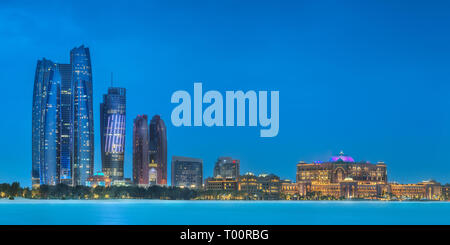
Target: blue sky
367	77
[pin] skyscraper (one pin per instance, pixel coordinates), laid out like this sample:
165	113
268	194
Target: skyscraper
46	125
226	167
41	77
112	130
140	151
83	117
158	148
62	121
187	172
66	158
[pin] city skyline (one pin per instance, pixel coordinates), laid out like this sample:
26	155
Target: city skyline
112	129
54	108
369	79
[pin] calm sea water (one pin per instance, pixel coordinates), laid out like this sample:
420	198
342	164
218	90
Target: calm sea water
136	212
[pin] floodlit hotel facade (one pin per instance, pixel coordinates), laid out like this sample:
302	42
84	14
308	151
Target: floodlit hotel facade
338	168
343	177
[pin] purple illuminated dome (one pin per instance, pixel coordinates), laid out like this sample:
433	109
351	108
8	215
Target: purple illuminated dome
342	157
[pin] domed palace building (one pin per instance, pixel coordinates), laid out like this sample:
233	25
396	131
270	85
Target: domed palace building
340	167
342	176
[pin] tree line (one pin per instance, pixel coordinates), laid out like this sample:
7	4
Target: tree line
65	192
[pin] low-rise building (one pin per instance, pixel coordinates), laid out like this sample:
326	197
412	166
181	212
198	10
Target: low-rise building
187	172
248	183
430	190
98	179
263	186
446	192
289	188
221	184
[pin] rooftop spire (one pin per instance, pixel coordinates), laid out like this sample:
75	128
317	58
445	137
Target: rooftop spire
111	79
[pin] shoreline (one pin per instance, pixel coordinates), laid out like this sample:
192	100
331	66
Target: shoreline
6	200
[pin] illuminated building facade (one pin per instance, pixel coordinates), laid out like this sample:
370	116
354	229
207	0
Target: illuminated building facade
348	189
289	188
221	184
446	192
66	154
248	183
226	167
263	186
140	151
158	148
98	179
430	190
83	116
342	177
269	185
187	172
153	172
112	130
340	167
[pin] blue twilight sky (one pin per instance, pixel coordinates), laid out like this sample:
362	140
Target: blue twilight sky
371	78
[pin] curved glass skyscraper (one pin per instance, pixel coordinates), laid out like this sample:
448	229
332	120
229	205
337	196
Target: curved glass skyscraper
46	123
83	117
158	148
112	130
41	77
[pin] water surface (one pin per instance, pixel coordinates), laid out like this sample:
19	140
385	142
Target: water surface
157	212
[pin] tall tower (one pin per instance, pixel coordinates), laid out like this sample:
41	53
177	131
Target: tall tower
140	151
83	117
112	130
158	148
46	126
66	154
41	78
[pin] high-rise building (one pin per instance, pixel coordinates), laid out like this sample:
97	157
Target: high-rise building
66	158
140	151
62	123
41	79
158	148
226	167
112	131
46	124
187	172
83	117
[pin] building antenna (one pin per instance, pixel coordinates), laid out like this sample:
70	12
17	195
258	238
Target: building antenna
111	79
